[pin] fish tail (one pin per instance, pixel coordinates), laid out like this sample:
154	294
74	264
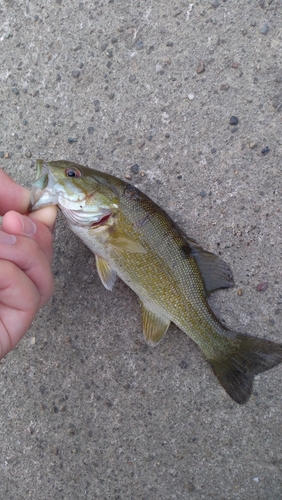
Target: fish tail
248	356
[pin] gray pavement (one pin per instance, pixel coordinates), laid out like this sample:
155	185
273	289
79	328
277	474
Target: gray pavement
88	411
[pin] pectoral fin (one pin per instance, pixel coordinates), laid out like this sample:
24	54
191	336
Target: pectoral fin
107	275
154	326
126	243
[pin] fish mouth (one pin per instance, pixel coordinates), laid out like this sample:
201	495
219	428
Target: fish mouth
42	175
49	189
41	190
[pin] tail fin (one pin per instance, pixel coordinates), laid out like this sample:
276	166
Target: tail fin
250	356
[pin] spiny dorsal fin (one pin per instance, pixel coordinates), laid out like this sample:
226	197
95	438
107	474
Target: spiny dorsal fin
154	326
107	275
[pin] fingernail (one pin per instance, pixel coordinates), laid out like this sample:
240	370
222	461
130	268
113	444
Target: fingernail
7	239
28	226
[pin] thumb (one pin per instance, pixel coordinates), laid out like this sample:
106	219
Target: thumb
46	216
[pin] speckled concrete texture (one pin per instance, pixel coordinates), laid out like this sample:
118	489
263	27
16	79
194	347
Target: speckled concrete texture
88	411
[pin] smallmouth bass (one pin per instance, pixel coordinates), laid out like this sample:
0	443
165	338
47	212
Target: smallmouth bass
132	237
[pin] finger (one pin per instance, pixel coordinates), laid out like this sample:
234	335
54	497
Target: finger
15	223
46	216
13	196
19	301
27	255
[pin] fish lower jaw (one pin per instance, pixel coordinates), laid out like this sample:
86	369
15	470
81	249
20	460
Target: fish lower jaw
40	199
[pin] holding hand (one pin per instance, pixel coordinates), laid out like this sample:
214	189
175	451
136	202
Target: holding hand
26	281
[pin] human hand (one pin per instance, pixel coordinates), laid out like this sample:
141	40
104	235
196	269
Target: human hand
26	281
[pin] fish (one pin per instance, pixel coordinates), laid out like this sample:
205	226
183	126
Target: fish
173	276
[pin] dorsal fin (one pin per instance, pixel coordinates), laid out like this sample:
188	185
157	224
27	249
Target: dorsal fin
215	272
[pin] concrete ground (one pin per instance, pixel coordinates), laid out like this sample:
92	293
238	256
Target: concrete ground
88	411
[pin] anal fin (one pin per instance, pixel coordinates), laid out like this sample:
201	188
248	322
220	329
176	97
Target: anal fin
154	326
107	275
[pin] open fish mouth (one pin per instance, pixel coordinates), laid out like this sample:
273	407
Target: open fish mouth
52	187
42	188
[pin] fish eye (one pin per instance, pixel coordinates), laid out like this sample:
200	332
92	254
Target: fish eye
72	172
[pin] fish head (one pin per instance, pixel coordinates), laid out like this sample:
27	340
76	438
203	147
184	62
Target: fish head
85	196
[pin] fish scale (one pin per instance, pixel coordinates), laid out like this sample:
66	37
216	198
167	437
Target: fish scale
132	237
185	303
